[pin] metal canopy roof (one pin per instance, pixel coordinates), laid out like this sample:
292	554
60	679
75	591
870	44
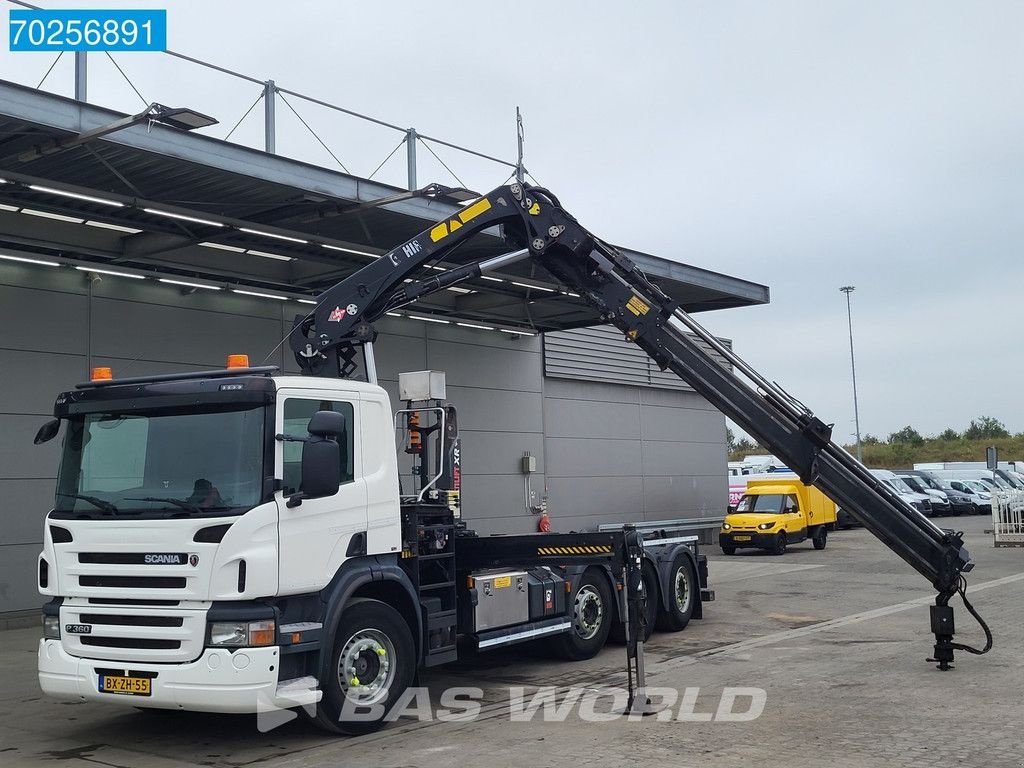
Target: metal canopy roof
157	201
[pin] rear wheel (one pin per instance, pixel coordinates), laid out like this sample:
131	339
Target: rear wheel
591	619
682	585
820	538
373	662
780	544
728	549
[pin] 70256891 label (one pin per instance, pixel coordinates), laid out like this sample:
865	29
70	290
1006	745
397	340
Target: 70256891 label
88	30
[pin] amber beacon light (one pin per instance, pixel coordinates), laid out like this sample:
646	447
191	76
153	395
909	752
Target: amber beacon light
238	361
101	374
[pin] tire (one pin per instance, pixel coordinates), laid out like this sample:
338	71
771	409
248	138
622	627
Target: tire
975	509
682	590
728	549
651	604
372	638
780	544
820	538
592	614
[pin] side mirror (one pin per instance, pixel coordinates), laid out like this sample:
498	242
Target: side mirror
321	458
47	432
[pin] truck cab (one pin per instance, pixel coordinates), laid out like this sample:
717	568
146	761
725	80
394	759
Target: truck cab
774	513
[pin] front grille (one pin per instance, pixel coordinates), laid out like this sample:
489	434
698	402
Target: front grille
145	633
124	620
133	558
133	582
147	643
116	601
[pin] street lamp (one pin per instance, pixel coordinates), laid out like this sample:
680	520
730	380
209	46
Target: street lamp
848	289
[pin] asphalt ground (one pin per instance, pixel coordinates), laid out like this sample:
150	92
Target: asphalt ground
829	646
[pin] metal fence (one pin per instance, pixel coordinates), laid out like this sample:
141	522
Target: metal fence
277	101
1008	518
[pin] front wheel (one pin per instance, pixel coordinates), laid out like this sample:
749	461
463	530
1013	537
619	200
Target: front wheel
591	619
820	538
373	662
681	587
780	544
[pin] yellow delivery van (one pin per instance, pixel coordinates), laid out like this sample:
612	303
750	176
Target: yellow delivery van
774	513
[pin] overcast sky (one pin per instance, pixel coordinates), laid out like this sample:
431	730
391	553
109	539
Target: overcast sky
803	145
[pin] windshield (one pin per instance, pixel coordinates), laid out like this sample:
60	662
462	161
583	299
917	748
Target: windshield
913	482
899	485
976	486
162	461
768	503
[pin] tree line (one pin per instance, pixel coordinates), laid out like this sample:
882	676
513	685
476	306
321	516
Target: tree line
907	445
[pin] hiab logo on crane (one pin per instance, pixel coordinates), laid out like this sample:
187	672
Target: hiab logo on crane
338	314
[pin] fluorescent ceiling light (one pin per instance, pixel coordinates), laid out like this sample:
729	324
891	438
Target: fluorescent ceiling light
48	215
517	333
492	279
458	290
111	272
306	301
534	287
222	247
349	250
261	295
27	260
115	227
392	314
429	319
183	217
474	325
570	293
188	284
266	255
275	236
9	207
75	195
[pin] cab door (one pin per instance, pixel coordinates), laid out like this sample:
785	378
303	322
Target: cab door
796	524
314	536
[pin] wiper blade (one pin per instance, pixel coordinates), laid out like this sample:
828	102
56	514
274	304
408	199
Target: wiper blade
187	505
102	504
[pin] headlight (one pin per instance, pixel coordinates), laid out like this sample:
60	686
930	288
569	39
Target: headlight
726	527
51	627
766	526
242	634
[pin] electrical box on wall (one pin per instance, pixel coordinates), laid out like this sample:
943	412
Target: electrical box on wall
529	464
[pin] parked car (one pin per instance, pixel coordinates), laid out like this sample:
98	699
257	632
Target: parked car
940	501
959	501
844	519
980	494
919	501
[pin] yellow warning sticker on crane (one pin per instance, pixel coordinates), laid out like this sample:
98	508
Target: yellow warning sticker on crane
637	306
466	215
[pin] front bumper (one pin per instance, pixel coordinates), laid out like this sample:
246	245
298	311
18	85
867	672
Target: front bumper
245	681
757	540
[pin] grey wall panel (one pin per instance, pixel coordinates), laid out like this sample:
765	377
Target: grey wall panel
679	458
582	418
18	575
674	398
570	497
681	424
497	410
684	496
63	328
19	458
593	391
488	453
489	367
489	497
25	504
129	329
51	373
589	457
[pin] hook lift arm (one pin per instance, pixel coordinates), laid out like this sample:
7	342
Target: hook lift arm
533	222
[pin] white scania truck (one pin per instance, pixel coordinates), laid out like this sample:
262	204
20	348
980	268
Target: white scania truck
238	540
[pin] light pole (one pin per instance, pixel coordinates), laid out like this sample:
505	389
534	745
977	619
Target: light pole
848	289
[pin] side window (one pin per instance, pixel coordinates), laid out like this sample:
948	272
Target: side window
792	505
297	413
